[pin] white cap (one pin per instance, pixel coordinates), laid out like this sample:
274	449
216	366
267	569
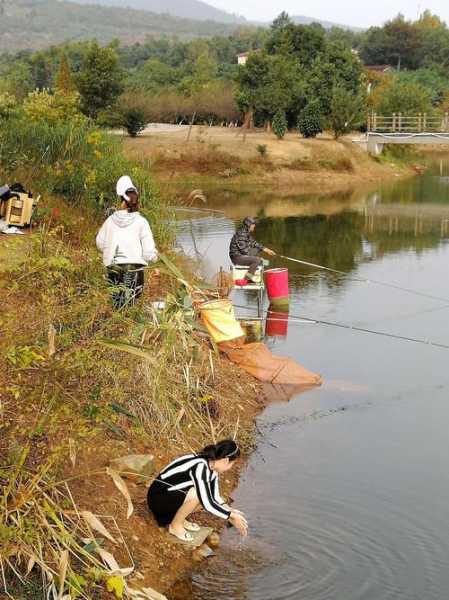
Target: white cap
124	184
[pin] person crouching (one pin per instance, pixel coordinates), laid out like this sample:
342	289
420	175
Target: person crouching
189	482
127	244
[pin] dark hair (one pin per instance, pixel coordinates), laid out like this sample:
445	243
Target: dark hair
248	221
132	204
224	449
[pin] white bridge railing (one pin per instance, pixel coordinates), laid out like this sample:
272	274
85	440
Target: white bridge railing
399	123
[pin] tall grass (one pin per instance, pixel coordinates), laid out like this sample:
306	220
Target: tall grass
78	375
109	380
44	534
75	160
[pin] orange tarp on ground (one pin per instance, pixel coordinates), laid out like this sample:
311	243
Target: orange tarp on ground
260	362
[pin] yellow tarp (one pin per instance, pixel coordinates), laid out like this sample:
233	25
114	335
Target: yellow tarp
219	318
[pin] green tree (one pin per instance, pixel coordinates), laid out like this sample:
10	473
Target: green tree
397	43
336	67
17	79
303	42
153	75
310	121
428	21
434	80
280	124
270	83
100	79
134	121
64	81
347	111
434	41
282	21
406	97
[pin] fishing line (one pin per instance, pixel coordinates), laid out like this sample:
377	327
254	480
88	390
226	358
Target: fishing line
366	280
298	319
196	210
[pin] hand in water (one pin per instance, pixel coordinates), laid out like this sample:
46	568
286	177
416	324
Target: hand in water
239	521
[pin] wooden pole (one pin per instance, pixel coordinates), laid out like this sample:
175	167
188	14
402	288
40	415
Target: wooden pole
191	126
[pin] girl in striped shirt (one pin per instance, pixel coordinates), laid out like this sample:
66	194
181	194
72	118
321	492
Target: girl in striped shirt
191	481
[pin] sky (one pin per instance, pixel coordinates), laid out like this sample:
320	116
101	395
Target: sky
356	13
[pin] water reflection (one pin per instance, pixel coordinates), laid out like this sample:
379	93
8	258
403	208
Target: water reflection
339	231
276	324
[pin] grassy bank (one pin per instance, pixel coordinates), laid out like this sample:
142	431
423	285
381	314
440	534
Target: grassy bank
222	155
81	383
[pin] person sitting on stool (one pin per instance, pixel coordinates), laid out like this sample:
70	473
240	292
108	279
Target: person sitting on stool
191	481
244	250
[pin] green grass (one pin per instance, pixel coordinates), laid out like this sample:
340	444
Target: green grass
13	251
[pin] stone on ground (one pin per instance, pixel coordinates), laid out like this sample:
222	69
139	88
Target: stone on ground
136	467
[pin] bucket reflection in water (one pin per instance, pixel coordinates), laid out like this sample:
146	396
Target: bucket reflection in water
276	328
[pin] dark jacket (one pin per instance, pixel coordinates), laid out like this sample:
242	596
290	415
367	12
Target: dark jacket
242	243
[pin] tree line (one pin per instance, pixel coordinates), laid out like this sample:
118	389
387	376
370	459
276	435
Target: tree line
296	76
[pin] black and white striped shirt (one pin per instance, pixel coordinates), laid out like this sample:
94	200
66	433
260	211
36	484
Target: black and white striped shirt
193	471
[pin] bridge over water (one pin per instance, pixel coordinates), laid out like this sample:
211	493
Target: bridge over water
401	129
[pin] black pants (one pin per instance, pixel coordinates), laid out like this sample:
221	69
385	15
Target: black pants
246	260
128	281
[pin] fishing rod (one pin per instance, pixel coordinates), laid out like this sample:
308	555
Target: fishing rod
196	210
296	319
365	279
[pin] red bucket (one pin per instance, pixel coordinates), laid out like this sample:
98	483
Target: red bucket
277	323
276	281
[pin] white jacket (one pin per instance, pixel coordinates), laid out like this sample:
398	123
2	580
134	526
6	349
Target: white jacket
126	238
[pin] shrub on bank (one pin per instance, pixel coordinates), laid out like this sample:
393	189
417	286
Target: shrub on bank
310	122
280	124
76	160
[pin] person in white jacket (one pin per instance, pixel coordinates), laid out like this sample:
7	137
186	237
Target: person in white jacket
127	244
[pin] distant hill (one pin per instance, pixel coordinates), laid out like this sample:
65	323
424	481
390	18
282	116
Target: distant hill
188	9
301	20
36	24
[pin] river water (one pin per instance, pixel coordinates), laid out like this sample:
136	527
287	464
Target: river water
348	493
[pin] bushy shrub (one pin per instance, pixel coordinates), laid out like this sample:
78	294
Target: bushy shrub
41	105
280	124
347	111
262	150
75	160
310	122
134	121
